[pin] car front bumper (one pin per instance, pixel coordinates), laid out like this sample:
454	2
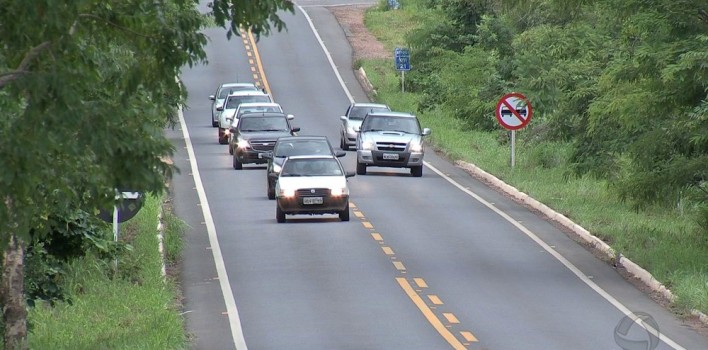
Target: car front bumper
330	205
249	156
377	158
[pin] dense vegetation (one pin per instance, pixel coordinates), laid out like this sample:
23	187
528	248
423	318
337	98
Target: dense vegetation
619	137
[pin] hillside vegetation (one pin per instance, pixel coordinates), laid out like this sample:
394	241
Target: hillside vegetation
619	136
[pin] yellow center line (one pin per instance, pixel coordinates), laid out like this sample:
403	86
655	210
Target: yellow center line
258	63
387	250
420	282
399	266
358	214
468	336
451	317
434	299
377	236
367	224
429	315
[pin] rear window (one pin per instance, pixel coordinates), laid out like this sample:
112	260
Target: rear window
234	101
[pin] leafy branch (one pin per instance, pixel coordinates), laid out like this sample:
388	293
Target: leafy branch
6	78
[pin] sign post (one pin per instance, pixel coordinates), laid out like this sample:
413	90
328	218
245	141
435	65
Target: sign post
513	113
403	63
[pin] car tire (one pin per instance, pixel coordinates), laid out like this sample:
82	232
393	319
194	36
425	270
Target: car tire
344	214
279	214
237	165
214	124
231	149
343	144
360	168
271	191
223	139
417	171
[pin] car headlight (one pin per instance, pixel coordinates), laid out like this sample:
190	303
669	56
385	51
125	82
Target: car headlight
337	191
417	147
367	145
277	168
243	144
287	192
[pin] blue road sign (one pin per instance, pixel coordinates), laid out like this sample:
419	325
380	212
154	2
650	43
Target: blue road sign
402	59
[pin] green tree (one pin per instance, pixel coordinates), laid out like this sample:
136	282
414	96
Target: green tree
86	87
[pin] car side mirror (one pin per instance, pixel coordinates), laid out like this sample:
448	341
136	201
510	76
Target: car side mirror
220	108
295	129
340	154
232	129
267	155
349	174
426	132
343	118
212	97
291	117
273	175
356	128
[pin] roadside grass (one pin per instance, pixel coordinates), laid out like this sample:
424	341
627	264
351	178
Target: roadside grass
133	309
666	242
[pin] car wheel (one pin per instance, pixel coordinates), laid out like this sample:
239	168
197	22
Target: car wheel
237	165
344	214
343	144
360	169
223	139
271	191
279	214
214	124
417	171
231	149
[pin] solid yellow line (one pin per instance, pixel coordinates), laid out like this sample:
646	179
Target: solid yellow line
451	317
377	236
468	336
399	265
258	62
429	315
434	299
420	282
387	250
367	224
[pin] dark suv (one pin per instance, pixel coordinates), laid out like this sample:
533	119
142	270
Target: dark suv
287	146
256	133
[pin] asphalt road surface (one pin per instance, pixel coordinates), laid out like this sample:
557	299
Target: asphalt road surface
438	262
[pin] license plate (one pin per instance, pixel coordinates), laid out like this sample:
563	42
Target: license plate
311	200
390	156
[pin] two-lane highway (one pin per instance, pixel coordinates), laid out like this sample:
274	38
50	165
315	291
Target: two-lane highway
437	262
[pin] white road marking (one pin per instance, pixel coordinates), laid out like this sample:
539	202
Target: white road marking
616	303
231	309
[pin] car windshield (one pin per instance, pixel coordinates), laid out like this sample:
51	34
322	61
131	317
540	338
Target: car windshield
388	123
264	124
312	167
358	113
233	101
301	148
228	90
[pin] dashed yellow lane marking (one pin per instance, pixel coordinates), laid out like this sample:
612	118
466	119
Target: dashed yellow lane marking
260	66
399	266
451	317
420	283
352	205
377	236
468	336
253	69
367	224
387	250
429	315
434	299
358	214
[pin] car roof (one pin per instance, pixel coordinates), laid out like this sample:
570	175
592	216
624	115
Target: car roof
237	84
368	104
247	93
259	104
263	114
392	114
303	137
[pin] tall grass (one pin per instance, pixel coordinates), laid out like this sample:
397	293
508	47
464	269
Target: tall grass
131	309
668	243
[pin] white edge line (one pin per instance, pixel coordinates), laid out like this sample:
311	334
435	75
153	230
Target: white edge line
231	309
329	57
616	303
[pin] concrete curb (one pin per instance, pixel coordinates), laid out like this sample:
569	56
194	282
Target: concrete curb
582	234
617	259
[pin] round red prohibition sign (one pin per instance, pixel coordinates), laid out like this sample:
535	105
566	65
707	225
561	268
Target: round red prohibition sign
514	111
